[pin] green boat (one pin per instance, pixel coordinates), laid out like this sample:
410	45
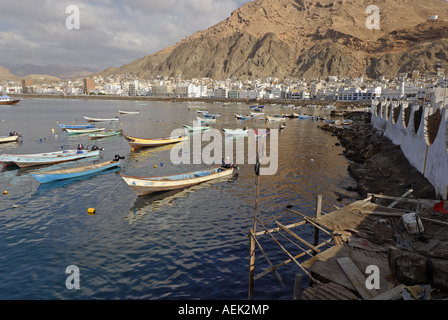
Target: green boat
196	128
100	135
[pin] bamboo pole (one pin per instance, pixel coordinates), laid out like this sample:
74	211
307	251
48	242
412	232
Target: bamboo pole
289	260
267	258
292	234
286	251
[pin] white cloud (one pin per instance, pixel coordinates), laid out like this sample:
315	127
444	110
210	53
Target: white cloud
112	32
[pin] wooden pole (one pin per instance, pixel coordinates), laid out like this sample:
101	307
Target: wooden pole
318	214
297	286
251	264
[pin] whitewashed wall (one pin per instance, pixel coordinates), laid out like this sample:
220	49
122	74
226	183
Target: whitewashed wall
430	159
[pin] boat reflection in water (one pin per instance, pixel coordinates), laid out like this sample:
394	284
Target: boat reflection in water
45	187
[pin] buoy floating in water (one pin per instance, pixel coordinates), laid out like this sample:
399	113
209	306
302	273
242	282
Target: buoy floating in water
91	211
5	192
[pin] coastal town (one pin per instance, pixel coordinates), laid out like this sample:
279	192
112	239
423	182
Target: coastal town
408	86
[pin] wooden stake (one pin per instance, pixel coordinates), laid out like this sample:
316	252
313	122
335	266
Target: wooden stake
251	265
297	286
318	214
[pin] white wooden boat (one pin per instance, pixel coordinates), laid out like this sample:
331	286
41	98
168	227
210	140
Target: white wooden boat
235	131
147	185
37	159
128	112
210	120
81	131
100	119
6	139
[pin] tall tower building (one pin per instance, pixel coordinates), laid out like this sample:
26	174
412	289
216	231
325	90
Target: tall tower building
89	85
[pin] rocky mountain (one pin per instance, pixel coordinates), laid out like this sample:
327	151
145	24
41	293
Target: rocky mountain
308	38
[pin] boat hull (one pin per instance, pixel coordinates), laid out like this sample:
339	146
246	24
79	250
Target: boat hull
9	139
100	120
128	112
81	131
50	176
136	143
66	126
93	136
3	103
30	161
142	186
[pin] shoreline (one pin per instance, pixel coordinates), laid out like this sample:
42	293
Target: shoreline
377	165
337	104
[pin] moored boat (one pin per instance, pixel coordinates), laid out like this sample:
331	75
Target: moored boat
268	118
235	131
128	112
211	115
6	100
93	136
241	117
147	185
211	120
13	137
196	128
144	142
49	176
292	115
37	159
81	131
100	119
75	126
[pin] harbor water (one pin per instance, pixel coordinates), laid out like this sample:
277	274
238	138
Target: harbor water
190	244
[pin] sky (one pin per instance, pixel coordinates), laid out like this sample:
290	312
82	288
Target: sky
110	33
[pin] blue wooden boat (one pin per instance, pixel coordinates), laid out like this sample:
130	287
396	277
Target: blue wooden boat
79	126
301	116
49	176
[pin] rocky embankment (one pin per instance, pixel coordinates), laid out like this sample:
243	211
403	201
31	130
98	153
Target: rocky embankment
377	165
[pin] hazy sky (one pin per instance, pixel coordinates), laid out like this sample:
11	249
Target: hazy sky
111	32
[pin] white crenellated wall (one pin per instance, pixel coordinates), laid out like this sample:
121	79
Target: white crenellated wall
431	159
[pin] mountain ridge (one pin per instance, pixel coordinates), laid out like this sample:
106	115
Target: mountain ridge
306	38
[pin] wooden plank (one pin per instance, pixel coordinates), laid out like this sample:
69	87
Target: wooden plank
356	278
400	198
392	294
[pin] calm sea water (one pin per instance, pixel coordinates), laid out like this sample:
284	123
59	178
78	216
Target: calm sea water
191	244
